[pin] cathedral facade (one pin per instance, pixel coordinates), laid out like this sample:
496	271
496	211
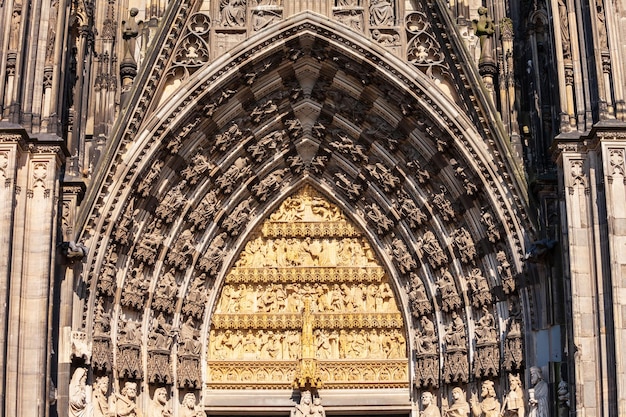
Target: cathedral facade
313	207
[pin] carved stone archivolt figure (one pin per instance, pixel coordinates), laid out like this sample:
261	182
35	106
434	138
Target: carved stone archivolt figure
426	339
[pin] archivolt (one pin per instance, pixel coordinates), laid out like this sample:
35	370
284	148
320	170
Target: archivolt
312	105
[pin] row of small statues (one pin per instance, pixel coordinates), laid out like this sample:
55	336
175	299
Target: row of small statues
307	252
123	403
343	344
513	404
277	298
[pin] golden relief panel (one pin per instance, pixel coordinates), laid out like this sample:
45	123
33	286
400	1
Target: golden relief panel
307	300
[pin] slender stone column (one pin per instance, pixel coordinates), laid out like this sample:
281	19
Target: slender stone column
11	145
33	246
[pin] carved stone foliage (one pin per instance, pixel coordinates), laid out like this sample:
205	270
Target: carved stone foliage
428	247
480	294
307	286
426	354
129	350
450	298
487	354
205	211
455	363
180	255
420	305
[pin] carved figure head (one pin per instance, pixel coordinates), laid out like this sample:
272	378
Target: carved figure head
160	396
189	401
458	394
102	385
427	398
535	375
130	390
488	390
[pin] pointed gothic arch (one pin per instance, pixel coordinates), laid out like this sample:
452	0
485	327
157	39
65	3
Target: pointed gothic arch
317	104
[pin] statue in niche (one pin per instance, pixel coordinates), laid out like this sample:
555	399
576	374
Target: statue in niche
381	13
233	13
538	395
100	400
189	343
125	402
487	219
172	202
429	405
214	255
130	333
449	296
460	407
455	337
489	406
78	393
188	407
102	319
463	241
504	269
428	244
443	204
514	401
231	178
479	288
130	31
304	408
417	295
158	406
160	336
409	210
382	222
484	29
485	330
426	339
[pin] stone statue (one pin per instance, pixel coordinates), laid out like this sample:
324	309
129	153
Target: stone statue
188	407
430	406
514	401
489	406
304	409
317	410
233	12
158	405
78	393
125	403
460	406
381	13
130	31
484	29
99	399
538	394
